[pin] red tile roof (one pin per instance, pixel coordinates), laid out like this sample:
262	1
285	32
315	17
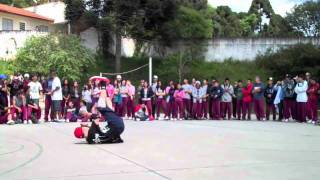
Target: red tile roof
22	12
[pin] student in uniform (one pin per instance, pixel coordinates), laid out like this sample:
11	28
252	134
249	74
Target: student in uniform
178	103
239	99
247	100
234	101
131	96
146	94
216	93
197	95
47	85
270	95
258	99
170	100
65	96
124	96
161	103
313	95
75	94
289	104
226	102
19	108
302	98
187	97
205	96
278	101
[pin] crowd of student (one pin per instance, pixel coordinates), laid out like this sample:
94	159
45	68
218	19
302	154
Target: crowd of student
292	99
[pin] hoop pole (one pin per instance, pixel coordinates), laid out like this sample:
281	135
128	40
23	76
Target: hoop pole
150	70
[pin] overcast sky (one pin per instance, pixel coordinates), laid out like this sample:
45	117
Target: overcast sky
279	6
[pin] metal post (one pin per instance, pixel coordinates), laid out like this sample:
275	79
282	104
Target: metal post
100	74
150	70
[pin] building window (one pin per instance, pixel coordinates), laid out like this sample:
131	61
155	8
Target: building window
42	28
22	26
7	24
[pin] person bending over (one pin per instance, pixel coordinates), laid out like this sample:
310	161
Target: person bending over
96	135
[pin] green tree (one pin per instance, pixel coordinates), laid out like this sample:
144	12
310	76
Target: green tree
63	53
305	18
226	23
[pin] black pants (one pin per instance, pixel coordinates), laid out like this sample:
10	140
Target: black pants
280	108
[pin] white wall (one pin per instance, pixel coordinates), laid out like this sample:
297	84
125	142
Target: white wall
13	40
53	10
31	23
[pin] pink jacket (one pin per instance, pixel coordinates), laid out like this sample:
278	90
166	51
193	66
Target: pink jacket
179	95
110	90
131	90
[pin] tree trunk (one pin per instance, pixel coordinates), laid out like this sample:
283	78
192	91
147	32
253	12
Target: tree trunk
118	52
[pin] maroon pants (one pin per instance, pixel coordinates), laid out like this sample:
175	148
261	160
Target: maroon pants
170	108
259	108
205	109
187	106
148	105
161	105
4	118
215	109
123	107
117	109
226	109
235	107
178	109
63	105
47	107
22	115
130	107
238	108
196	110
271	108
37	113
301	111
312	109
289	108
246	109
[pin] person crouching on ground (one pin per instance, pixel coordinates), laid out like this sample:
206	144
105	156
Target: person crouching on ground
96	135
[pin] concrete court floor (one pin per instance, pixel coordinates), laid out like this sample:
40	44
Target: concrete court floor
158	150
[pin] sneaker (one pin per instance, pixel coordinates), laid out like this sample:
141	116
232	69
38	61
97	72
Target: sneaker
25	122
67	121
49	120
310	121
30	122
11	122
286	120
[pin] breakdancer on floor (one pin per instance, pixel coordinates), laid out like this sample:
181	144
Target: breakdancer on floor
94	134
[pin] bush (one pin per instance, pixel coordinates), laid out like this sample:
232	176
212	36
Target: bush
295	60
6	67
63	53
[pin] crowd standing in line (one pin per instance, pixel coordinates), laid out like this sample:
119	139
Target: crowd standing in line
290	99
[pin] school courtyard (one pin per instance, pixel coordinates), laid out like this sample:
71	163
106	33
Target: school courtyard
164	150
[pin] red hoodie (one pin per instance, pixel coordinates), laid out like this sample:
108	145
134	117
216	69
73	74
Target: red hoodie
247	93
313	92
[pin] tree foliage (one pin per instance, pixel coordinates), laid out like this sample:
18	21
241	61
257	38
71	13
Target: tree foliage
295	60
63	53
305	18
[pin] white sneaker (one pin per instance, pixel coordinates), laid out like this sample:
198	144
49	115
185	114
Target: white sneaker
11	122
25	122
49	120
41	121
30	122
67	121
310	121
286	120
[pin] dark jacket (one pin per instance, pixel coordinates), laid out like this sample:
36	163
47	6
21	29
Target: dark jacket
216	93
149	93
115	128
270	91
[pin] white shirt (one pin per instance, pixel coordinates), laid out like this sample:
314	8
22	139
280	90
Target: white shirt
57	95
187	87
301	90
86	96
35	88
